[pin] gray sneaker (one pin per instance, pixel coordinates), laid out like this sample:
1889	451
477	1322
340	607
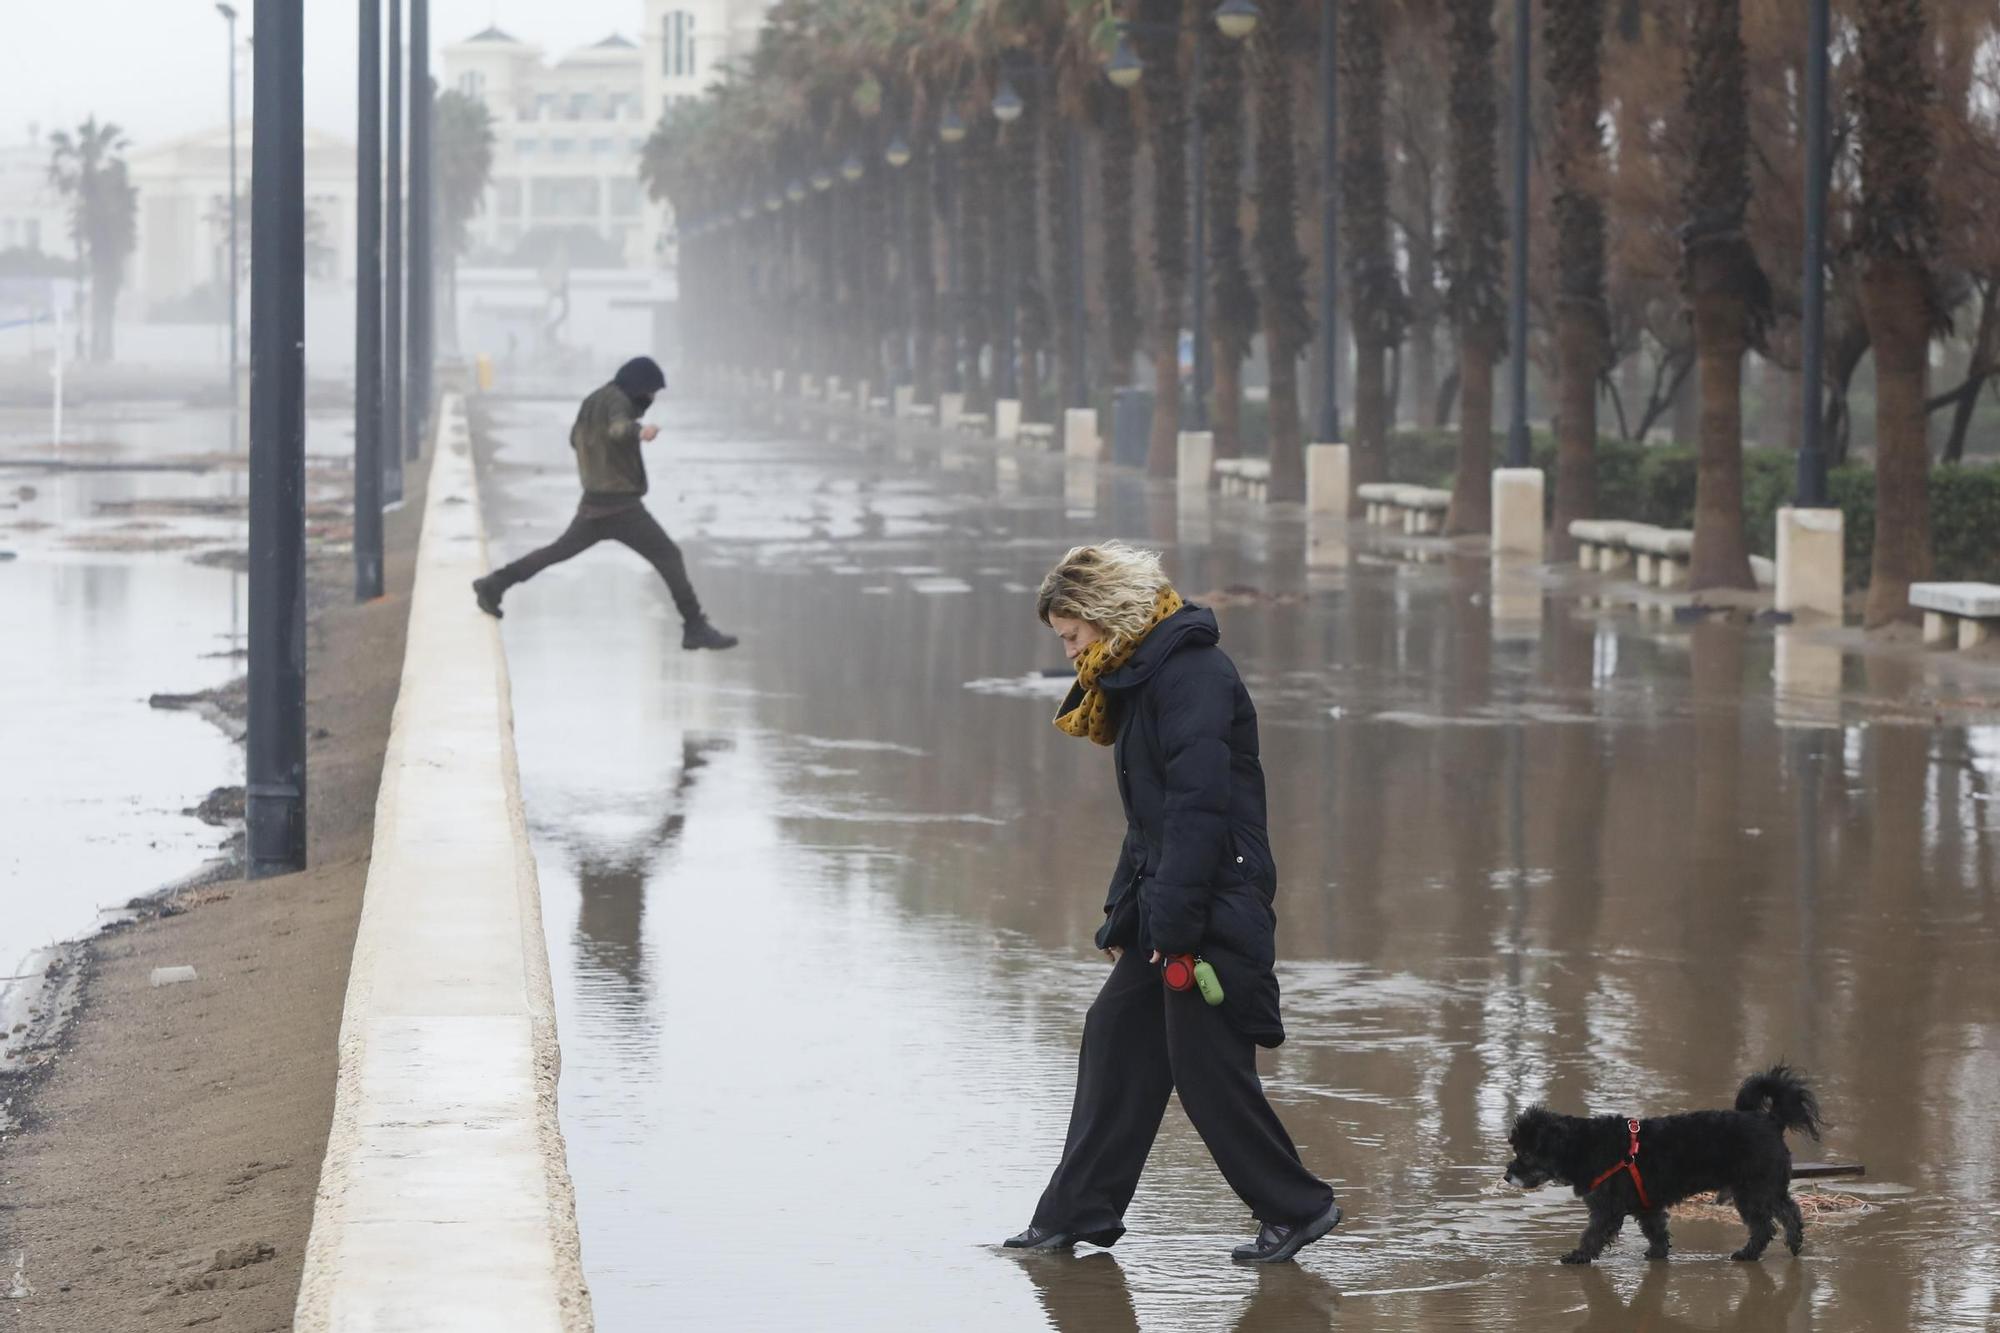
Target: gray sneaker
488	595
701	634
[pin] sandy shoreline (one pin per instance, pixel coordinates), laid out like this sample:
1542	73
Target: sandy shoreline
163	1169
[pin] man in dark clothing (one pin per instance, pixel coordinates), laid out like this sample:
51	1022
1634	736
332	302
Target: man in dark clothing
606	439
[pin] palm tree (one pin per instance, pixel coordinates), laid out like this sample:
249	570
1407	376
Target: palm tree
1574	35
1725	287
88	170
464	138
1478	228
1288	324
1375	294
1897	233
1233	303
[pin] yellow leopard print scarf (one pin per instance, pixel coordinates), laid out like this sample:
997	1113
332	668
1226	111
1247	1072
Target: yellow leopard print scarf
1086	712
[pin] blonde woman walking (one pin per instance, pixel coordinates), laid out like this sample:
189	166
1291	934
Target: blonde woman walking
1188	922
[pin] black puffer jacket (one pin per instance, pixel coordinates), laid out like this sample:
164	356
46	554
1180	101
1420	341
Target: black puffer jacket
1195	874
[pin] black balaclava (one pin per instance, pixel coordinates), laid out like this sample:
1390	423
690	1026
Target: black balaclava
640	378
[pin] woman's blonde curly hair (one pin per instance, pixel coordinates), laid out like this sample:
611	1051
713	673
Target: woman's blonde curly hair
1113	586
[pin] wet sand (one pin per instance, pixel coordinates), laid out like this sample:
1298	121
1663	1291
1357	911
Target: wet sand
819	910
166	1171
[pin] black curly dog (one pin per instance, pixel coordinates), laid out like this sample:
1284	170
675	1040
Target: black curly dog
1643	1167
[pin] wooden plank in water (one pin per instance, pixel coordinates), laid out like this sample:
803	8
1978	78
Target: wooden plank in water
1821	1170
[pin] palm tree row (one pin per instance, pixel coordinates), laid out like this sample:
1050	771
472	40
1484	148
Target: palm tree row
917	191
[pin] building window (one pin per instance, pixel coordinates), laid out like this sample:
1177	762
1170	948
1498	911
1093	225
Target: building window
473	84
625	197
579	106
603	147
564	197
510	198
525	147
680	44
34	233
545	106
561	147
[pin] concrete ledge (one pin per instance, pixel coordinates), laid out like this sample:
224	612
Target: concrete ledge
445	1200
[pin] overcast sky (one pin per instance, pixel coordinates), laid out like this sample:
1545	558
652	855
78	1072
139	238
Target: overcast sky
159	67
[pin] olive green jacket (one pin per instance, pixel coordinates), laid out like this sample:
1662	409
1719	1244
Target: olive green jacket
606	440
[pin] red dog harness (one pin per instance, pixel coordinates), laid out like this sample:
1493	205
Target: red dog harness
1631	1164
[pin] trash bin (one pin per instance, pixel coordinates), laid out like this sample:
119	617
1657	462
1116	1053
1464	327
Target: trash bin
1131	426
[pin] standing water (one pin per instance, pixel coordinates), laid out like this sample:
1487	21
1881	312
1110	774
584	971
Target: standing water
819	912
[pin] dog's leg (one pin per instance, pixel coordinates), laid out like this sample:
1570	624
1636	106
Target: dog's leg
1654	1224
1604	1227
1795	1224
1756	1214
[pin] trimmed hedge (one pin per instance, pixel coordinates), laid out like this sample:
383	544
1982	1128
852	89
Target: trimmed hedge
1656	484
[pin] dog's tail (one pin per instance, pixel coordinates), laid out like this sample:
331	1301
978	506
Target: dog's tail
1781	1093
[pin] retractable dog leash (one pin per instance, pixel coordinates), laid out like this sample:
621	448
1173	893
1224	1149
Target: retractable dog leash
1184	971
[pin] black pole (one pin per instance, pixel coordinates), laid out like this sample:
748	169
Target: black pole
906	369
235	256
1517	315
422	189
1079	307
1811	485
1198	268
368	314
394	385
1329	224
275	745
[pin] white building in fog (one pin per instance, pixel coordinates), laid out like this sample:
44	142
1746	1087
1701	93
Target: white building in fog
568	134
32	215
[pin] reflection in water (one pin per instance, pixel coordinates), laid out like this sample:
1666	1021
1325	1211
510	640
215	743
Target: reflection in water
611	887
1528	852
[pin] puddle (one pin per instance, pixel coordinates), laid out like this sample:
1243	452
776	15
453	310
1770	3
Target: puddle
819	915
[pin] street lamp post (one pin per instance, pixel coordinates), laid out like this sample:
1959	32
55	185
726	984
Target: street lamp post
1811	482
1235	20
1517	315
368	313
394	385
228	13
422	307
1329	222
898	155
1007	108
275	737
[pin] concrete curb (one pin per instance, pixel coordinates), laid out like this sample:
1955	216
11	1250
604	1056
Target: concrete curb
445	1200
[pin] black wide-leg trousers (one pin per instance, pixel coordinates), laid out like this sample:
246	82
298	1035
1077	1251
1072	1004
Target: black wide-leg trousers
1142	1042
634	527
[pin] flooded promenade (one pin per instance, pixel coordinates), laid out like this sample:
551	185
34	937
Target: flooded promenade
819	910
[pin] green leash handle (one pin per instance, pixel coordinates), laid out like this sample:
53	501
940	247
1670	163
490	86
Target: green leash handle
1207	982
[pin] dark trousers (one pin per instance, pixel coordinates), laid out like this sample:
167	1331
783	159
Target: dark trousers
1141	1042
636	528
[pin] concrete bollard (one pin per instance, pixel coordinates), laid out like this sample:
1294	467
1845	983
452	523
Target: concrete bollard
833	388
950	407
1327	489
1517	511
862	398
1006	419
1196	468
904	396
1812	556
1080	441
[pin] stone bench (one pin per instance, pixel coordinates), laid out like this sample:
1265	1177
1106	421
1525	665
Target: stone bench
1603	545
1417	510
1244	476
1663	554
974	423
1967	612
1036	435
879	406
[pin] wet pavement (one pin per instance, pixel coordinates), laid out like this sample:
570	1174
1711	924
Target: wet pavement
120	577
819	911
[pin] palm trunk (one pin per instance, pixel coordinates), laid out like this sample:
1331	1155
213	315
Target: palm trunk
1232	300
921	264
1721	557
1281	265
1063	277
1116	156
1166	116
1575	31
975	305
1374	292
1896	294
1024	200
1472	493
